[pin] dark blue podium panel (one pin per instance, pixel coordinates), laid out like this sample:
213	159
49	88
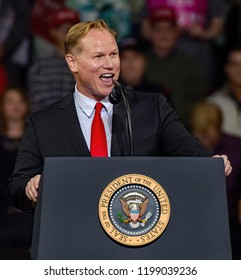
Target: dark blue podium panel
67	224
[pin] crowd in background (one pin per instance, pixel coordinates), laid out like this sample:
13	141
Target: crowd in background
190	51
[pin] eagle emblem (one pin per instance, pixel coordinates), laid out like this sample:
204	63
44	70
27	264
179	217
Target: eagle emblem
134	206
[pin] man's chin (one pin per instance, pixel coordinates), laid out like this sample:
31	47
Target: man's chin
102	95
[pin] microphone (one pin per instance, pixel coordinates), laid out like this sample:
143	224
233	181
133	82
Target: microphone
117	95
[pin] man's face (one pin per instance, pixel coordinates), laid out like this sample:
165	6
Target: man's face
96	65
164	36
233	68
132	66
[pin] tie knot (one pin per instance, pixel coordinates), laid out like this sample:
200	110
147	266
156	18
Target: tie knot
98	107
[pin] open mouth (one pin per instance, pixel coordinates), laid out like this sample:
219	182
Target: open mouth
107	77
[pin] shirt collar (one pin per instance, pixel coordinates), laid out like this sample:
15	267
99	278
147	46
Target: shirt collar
87	104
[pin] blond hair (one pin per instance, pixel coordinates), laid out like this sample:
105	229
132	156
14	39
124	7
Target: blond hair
80	30
205	114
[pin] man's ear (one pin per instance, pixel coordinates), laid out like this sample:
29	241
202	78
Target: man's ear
70	59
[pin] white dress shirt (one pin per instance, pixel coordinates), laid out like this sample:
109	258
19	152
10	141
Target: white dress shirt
85	107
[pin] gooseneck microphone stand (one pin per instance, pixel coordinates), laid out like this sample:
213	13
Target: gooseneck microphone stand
116	95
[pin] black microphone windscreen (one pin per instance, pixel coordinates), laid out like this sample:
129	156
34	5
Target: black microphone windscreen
115	96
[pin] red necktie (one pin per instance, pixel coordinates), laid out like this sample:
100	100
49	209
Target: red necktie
98	144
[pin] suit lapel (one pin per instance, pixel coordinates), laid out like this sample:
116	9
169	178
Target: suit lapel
68	118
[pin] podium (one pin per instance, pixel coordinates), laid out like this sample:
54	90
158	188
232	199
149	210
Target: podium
67	223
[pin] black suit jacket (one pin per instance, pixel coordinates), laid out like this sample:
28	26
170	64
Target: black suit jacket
55	131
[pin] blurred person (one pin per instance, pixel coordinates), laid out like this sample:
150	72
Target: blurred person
42	10
206	125
228	97
15	233
168	67
15	43
64	128
133	66
204	40
49	77
201	24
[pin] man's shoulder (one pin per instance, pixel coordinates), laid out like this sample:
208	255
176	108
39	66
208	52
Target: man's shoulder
54	107
143	96
147	101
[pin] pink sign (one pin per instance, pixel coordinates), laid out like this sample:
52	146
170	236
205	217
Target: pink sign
188	12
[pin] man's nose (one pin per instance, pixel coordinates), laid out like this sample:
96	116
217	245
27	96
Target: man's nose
108	63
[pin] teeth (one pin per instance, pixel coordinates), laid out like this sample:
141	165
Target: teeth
107	75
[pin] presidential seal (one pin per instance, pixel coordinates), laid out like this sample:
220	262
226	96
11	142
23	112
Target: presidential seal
134	210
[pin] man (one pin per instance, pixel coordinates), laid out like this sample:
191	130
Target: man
179	73
49	77
63	128
228	98
133	66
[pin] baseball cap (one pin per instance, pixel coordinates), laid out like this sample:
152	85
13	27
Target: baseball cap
162	14
131	43
62	16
